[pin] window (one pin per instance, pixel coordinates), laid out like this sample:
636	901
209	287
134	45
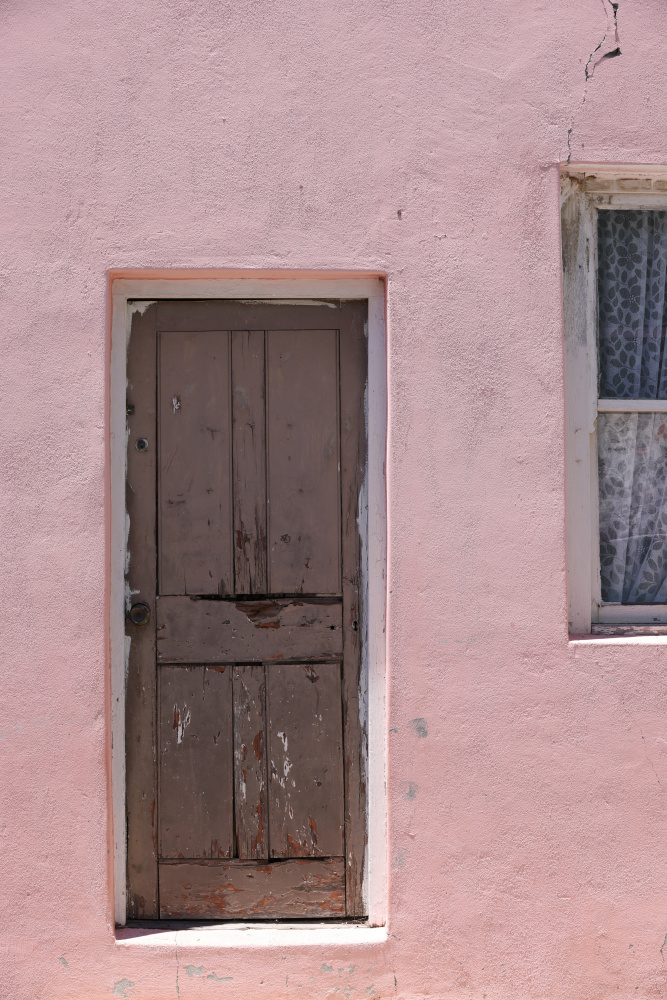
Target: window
615	283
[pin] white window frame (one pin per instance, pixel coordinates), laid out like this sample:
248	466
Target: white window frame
587	189
129	293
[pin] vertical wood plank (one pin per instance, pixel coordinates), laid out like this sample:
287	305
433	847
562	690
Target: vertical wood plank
140	723
303	462
353	374
250	770
305	760
196	797
195	544
249	470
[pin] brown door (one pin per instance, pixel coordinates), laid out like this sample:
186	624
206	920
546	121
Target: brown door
246	451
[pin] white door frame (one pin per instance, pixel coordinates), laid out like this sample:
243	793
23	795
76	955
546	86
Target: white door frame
129	294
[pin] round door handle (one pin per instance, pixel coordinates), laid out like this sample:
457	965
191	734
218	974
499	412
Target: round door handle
140	614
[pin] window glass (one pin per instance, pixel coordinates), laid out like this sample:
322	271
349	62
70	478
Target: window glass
632	260
632	457
632	446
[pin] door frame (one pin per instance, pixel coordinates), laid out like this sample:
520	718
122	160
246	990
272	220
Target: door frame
128	294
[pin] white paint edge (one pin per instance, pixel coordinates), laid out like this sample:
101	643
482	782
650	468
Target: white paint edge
632	614
142	292
620	640
254	936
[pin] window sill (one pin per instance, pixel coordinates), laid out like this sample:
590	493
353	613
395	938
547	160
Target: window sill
252	936
602	635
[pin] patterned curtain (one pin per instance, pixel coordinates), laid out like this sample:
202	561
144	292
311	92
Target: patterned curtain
632	447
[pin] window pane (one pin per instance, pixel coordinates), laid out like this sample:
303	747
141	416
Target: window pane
632	322
632	458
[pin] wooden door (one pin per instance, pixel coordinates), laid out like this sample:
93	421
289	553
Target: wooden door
245	749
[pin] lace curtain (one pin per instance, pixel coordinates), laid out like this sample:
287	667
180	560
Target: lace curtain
632	447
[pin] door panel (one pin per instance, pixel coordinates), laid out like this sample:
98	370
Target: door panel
253	889
195	545
305	760
196	797
230	631
244	672
303	462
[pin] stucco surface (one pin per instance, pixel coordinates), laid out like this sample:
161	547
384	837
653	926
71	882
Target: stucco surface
528	815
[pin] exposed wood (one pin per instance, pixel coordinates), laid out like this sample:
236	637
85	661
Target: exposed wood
353	364
249	462
209	631
195	515
250	768
140	723
196	796
257	767
305	760
303	462
254	889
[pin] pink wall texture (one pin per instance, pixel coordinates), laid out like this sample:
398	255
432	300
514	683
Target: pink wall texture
527	829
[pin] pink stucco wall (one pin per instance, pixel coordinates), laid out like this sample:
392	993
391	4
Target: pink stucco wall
528	828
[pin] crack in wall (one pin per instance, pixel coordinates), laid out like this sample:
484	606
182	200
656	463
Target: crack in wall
609	47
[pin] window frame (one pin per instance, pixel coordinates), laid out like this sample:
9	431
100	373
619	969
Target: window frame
128	292
587	189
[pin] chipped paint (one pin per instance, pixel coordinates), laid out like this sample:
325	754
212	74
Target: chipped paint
128	643
181	721
193	970
123	988
140	307
419	727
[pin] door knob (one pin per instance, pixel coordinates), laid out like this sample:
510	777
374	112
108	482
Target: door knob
140	614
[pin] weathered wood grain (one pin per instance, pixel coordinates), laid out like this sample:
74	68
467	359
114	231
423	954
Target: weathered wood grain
140	722
191	631
190	315
353	368
195	791
250	768
305	760
303	461
253	889
249	462
291	731
195	502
